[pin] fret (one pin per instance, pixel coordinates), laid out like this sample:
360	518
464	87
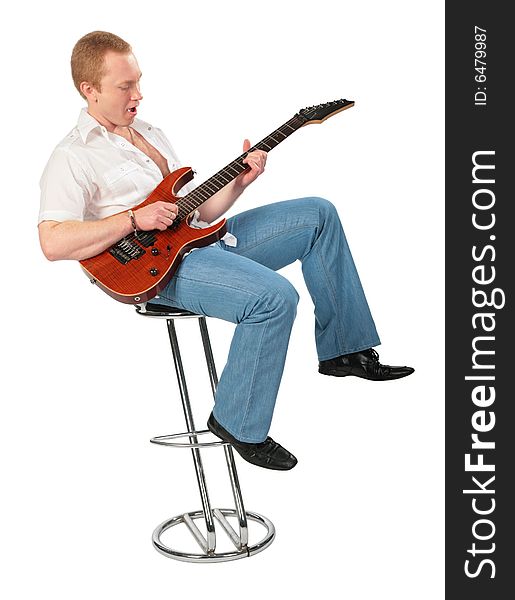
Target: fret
234	169
220	176
210	183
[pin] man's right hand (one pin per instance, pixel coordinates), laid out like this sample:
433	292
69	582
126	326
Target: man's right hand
158	215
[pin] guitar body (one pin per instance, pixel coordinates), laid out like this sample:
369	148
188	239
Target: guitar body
137	268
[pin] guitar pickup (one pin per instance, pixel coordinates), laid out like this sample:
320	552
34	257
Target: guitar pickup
120	255
147	238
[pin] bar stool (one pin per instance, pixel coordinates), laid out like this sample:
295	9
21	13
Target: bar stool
209	515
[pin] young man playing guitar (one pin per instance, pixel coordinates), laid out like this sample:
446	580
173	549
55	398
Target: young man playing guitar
111	161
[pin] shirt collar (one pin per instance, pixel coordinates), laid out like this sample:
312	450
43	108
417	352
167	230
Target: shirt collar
87	123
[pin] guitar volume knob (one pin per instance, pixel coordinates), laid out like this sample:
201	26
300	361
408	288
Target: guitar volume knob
154	252
153	271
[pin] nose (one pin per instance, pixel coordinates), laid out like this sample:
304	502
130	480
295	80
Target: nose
136	94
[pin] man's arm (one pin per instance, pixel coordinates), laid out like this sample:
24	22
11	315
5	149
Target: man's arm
220	202
79	240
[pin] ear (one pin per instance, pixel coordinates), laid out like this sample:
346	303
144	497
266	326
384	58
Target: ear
89	91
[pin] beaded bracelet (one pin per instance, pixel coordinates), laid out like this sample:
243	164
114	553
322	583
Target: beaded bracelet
133	222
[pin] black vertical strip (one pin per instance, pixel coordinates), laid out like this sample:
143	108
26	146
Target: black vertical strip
480	237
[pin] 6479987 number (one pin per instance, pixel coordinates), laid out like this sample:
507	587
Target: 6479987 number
480	54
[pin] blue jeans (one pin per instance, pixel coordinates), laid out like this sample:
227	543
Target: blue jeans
241	285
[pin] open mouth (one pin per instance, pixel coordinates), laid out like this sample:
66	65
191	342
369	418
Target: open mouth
132	110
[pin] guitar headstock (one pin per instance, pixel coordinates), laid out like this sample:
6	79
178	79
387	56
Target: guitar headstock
321	112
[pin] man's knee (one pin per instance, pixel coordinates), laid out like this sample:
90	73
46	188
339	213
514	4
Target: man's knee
281	299
290	298
324	206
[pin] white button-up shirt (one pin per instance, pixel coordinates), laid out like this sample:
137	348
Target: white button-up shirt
93	174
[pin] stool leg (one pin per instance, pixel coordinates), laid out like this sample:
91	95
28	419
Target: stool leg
229	456
201	479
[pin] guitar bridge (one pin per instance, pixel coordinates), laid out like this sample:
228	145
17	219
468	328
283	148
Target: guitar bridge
126	250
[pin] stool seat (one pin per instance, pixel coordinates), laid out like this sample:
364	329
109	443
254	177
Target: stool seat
153	309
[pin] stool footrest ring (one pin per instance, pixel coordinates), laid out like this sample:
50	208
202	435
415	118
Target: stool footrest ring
168	440
242	551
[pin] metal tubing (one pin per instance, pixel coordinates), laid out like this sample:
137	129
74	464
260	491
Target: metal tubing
195	531
214	556
197	461
228	528
211	367
236	492
229	456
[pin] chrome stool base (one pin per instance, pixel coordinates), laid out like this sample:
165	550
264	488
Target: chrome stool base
209	515
242	551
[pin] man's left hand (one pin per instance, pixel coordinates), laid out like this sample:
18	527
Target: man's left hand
256	161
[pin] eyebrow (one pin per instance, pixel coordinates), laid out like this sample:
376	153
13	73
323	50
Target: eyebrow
130	80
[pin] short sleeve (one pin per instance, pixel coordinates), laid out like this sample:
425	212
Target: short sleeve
65	189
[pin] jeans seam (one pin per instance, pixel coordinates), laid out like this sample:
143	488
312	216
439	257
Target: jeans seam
218	284
253	378
267	239
330	286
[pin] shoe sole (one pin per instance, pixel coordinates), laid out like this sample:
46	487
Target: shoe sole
337	374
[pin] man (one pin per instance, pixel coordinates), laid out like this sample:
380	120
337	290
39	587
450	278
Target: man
111	161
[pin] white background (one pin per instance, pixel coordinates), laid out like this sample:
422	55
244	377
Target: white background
87	382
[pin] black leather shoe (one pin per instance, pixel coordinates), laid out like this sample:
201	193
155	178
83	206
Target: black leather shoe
363	364
267	454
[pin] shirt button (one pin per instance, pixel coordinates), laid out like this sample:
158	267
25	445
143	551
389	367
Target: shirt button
122	144
149	128
148	159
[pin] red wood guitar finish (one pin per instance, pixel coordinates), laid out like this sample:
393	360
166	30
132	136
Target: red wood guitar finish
141	278
139	266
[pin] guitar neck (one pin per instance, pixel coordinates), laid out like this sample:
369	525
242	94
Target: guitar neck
214	184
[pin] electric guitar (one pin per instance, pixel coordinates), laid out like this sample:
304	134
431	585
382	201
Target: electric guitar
141	264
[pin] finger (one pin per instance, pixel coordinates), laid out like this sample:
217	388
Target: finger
168	211
258	162
257	156
252	161
246	145
165	222
253	166
167	206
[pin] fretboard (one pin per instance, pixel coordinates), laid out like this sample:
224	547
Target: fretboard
214	184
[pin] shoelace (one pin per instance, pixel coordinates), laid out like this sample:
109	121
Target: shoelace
269	453
378	368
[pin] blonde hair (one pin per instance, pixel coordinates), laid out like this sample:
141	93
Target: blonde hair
88	55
